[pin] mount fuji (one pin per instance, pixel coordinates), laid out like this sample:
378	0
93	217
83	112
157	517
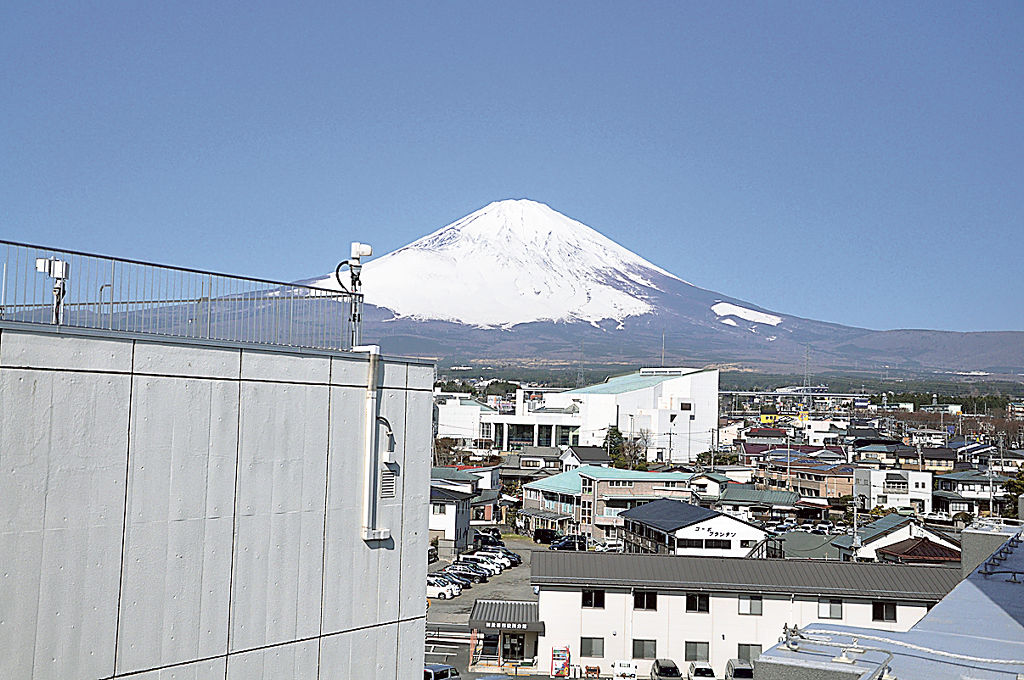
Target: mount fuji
519	281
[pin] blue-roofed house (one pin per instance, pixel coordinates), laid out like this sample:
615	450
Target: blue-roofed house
671	527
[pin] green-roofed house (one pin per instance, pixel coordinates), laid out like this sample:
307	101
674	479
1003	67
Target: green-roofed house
589	499
748	502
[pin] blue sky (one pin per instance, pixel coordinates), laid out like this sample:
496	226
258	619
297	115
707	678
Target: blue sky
861	163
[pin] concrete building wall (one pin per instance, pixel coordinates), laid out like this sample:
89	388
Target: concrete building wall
195	511
671	626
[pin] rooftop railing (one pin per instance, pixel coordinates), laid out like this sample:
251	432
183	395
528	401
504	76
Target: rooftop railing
81	290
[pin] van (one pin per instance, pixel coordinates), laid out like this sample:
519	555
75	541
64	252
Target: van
440	671
485	563
738	668
544	535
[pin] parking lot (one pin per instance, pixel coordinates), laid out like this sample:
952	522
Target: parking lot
512	584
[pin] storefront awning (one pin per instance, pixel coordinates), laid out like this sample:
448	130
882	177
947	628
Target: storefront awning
505	616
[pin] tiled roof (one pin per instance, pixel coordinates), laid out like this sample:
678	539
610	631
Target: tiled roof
748	494
805	577
921	549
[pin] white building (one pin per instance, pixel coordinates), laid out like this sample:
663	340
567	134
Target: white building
672	527
674	409
886	531
605	607
894	489
200	509
449	518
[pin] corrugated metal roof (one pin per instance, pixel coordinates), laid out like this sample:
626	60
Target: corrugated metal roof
452	475
505	615
745	494
563	482
921	549
597	472
734	574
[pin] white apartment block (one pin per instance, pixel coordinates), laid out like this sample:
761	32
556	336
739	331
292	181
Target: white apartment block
894	489
607	607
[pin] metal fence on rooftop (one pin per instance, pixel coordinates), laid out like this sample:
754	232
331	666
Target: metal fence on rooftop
47	286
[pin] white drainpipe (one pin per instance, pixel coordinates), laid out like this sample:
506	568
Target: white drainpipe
371	462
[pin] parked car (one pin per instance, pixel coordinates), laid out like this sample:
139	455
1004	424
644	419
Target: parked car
700	669
738	669
440	671
516	558
569	543
441	582
454	579
662	669
468	571
544	535
609	545
492	567
491	531
441	591
625	669
480	540
431	554
501	558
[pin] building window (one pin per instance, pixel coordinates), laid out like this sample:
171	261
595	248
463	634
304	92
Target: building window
697	602
645	649
586	512
697	651
748	652
645	599
691	543
592	647
883	611
717	544
530	464
750	605
586	485
438	509
829	608
593	599
748	544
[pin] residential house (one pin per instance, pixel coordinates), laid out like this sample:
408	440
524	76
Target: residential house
920	550
577	456
894	489
970	491
884	532
599	608
449	518
671	527
933	459
750	503
589	499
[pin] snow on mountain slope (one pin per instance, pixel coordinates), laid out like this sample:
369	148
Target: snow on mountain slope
729	309
512	262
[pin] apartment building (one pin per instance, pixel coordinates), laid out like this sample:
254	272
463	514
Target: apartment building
894	489
598	608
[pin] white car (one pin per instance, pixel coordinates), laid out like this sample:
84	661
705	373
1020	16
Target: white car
443	582
441	592
503	560
612	545
492	567
625	669
700	669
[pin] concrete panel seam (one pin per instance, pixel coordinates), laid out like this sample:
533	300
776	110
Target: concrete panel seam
327	486
124	520
234	517
263	648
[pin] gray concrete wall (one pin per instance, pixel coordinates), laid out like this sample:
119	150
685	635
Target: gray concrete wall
174	510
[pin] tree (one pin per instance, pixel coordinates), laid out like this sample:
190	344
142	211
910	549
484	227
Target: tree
501	388
1015	487
613	444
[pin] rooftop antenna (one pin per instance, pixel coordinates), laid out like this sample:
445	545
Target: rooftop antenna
355	267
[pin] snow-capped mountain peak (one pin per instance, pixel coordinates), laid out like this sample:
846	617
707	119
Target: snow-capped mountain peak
513	262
